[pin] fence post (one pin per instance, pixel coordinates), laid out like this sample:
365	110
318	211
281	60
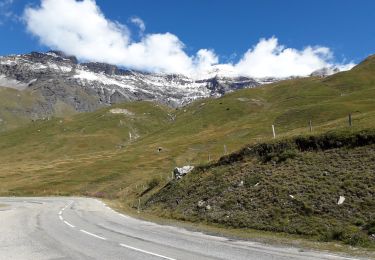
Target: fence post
350	119
310	124
273	131
139	205
225	149
209	157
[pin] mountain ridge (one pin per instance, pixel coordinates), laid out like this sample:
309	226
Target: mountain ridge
61	85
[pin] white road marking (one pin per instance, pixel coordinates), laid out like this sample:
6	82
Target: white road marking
70	225
146	252
60	212
91	234
60	217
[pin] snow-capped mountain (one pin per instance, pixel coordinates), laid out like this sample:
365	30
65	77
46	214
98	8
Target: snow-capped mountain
62	78
325	72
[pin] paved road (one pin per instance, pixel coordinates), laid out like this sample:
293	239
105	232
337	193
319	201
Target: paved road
80	228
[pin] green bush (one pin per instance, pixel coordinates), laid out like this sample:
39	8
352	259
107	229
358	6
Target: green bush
370	227
153	183
357	239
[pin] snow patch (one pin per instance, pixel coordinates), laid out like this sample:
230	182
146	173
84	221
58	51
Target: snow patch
59	68
100	77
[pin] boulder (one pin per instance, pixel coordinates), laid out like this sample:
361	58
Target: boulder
201	204
178	173
341	200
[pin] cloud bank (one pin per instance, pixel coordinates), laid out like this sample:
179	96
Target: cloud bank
80	28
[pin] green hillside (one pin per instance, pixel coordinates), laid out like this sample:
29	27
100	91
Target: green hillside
292	185
91	154
16	107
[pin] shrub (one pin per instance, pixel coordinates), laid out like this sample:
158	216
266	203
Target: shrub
370	227
153	183
357	239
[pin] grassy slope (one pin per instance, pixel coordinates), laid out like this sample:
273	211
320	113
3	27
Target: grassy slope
81	154
13	107
86	153
19	108
291	186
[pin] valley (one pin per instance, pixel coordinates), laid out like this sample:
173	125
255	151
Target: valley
126	152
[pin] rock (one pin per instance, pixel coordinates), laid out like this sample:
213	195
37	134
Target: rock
178	173
208	207
201	204
341	200
291	196
241	184
121	111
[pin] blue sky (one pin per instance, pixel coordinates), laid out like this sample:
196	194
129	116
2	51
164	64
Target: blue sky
229	28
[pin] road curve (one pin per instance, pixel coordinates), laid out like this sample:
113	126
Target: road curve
81	228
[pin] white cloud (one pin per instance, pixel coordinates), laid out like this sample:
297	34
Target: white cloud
81	29
140	23
268	58
6	12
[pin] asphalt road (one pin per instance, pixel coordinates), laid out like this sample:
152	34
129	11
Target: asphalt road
80	228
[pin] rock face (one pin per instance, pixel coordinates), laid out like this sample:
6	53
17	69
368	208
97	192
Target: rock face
62	81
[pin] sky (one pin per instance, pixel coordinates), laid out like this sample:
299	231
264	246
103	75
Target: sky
251	38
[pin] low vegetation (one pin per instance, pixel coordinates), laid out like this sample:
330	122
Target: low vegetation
291	185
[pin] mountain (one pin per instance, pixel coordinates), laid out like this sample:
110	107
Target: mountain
121	151
63	85
324	72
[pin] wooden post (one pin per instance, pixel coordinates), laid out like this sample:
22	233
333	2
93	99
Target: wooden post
225	150
350	120
273	131
139	206
209	157
130	136
310	124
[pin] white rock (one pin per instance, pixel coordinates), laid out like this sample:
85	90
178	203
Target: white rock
201	204
121	111
180	172
341	200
